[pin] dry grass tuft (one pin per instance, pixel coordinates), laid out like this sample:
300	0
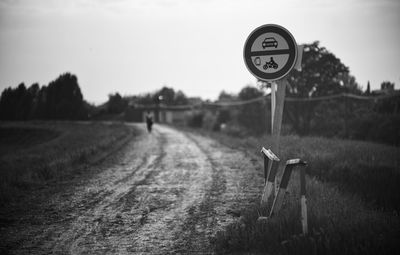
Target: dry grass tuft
33	153
353	196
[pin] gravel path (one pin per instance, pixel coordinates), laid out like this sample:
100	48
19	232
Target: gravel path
164	193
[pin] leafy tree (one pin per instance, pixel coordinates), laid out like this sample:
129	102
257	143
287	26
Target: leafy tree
226	97
64	99
180	98
15	103
368	90
146	99
116	104
224	116
61	99
7	104
41	101
165	96
387	85
227	114
322	74
389	105
32	97
21	106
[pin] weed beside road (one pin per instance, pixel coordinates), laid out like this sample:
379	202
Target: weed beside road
352	195
368	170
33	153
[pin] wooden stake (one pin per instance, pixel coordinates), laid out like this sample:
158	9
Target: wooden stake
276	206
266	165
303	201
278	201
271	162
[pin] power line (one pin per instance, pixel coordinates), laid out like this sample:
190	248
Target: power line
297	99
288	99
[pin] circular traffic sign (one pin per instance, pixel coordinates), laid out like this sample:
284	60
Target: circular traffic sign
270	52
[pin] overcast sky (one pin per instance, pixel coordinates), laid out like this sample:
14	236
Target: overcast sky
138	46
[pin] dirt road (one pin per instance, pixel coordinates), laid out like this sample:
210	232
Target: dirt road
166	192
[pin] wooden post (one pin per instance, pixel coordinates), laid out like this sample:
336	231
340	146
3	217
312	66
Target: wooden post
303	201
266	165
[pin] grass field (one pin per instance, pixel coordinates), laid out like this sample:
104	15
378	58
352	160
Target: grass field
353	197
33	153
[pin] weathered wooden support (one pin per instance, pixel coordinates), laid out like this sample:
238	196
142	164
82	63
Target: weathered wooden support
290	165
303	201
271	163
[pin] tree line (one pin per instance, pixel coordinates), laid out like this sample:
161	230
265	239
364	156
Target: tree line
61	99
323	74
165	96
340	117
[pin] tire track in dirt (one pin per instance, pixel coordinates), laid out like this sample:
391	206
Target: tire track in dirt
166	192
102	217
169	195
208	180
69	220
199	225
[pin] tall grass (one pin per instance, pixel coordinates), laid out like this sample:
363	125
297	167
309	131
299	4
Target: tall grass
369	170
338	224
36	152
353	200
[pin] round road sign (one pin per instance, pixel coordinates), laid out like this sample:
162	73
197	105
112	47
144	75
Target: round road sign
270	52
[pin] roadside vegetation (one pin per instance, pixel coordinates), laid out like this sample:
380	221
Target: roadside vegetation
352	195
33	153
353	187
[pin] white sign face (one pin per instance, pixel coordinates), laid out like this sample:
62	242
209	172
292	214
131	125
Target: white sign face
270	52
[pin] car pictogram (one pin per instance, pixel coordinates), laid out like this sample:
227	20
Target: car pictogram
269	42
270	64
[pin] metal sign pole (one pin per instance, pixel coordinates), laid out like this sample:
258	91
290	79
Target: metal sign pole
270	53
277	104
276	132
277	122
271	187
273	104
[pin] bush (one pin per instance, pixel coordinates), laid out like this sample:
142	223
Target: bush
210	122
195	120
252	116
377	127
224	116
235	131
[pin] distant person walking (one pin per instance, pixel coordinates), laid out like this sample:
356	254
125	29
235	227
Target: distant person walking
149	121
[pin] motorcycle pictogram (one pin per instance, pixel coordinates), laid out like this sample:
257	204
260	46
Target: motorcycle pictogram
270	64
